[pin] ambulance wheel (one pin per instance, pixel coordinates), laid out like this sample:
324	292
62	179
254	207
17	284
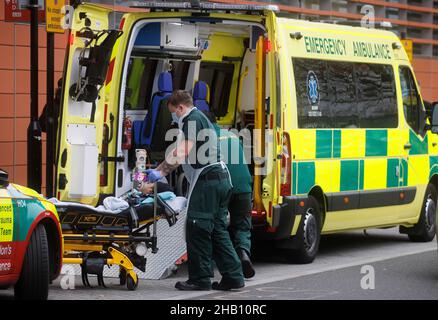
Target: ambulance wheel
424	230
122	276
308	235
131	283
33	283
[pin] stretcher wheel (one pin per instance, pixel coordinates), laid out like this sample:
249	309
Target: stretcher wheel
131	283
122	276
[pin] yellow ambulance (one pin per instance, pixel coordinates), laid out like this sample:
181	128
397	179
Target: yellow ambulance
340	136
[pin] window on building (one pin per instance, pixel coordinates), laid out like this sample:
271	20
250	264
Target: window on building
417	49
334	94
392	13
412	105
218	77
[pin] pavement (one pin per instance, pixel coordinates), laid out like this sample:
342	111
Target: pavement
344	266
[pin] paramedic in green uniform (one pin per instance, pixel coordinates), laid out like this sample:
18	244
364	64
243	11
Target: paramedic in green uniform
240	201
210	189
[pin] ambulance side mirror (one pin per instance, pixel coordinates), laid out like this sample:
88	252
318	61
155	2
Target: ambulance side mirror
434	117
4	179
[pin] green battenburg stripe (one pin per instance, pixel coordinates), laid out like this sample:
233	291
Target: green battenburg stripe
404	172
294	177
349	175
16	221
376	143
306	176
324	143
27	216
391	173
433	165
361	173
433	161
418	146
336	143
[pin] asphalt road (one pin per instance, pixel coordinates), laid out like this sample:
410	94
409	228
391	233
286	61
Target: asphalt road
402	270
412	277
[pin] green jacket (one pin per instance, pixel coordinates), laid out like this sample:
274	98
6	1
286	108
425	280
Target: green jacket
240	176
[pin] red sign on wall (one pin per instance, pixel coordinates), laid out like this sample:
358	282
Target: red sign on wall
13	12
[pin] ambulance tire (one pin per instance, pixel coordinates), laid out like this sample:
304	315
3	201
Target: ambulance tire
33	283
308	234
424	230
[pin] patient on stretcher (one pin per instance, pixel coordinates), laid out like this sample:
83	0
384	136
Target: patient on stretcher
133	208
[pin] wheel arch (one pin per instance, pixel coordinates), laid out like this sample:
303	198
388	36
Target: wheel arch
319	195
434	180
54	239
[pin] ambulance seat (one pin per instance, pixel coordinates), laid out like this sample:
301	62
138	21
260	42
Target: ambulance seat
143	131
200	92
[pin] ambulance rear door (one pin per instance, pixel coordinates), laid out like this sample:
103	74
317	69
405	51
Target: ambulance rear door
82	111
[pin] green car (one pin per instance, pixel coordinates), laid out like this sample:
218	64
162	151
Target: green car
30	241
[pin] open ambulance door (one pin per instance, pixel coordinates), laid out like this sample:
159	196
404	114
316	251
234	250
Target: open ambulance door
80	127
269	141
259	125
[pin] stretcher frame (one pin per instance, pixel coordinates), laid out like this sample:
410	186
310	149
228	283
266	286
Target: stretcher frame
93	250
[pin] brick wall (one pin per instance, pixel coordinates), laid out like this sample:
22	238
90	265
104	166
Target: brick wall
426	71
15	91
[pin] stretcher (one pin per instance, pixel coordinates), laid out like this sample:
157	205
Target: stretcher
94	238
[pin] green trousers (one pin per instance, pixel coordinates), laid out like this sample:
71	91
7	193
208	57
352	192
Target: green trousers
207	235
240	221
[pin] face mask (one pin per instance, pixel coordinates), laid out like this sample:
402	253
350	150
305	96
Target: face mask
175	117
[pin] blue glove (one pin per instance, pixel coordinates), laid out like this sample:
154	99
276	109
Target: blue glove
153	175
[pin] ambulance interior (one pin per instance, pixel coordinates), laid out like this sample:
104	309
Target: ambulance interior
214	61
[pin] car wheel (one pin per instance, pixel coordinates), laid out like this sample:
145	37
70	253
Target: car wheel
309	234
33	283
424	230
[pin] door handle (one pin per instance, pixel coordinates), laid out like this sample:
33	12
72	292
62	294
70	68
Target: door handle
407	146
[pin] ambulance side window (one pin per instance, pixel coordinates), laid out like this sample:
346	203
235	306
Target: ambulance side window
313	97
343	95
333	94
376	98
411	99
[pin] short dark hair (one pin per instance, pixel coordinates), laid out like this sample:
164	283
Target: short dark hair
180	97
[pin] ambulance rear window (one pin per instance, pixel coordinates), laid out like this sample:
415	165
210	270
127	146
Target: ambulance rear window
332	94
141	73
219	77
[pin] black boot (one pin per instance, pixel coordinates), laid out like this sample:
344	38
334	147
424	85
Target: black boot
226	285
247	268
189	286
